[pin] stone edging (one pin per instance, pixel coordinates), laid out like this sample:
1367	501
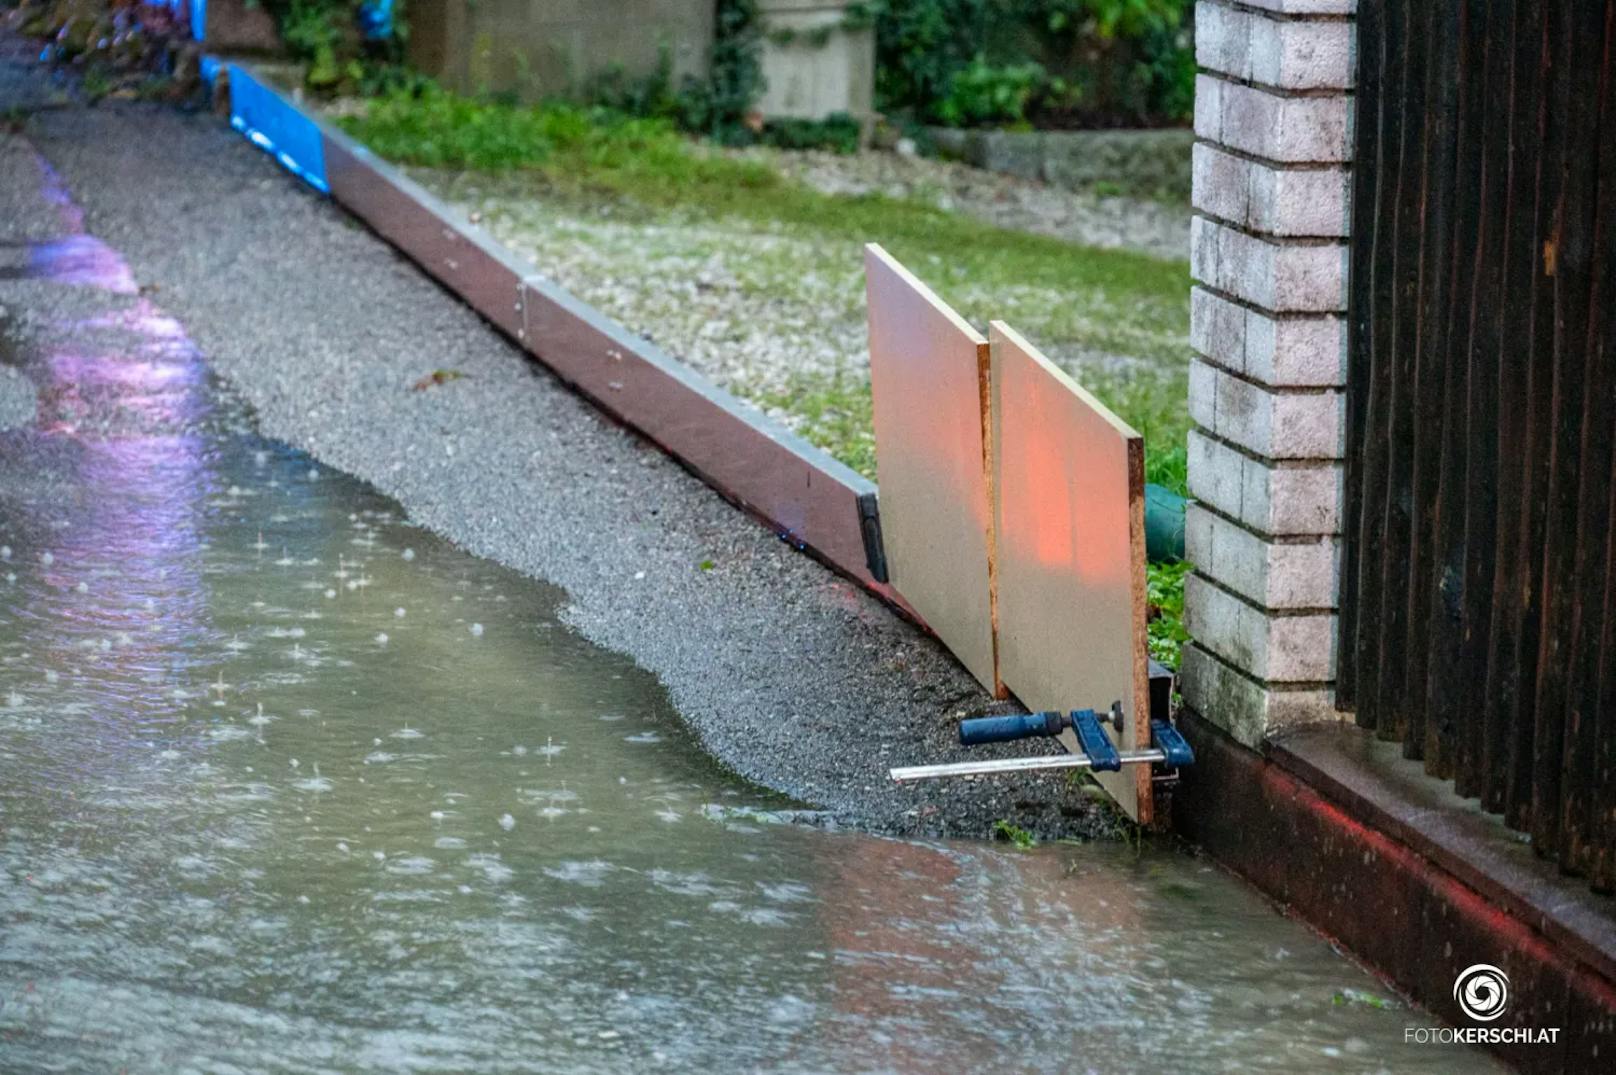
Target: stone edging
1140	163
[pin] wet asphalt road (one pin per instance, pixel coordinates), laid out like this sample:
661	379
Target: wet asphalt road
790	675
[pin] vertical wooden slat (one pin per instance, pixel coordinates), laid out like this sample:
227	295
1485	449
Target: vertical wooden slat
1365	175
1602	771
1377	349
1484	304
1437	570
1391	706
1521	125
1588	221
1538	403
1600	774
1566	258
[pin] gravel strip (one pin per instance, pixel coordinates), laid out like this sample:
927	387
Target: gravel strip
790	675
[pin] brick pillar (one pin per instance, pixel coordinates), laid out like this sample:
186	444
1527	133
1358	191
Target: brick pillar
1273	114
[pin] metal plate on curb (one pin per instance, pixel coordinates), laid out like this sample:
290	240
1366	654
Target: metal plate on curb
1070	527
275	125
929	379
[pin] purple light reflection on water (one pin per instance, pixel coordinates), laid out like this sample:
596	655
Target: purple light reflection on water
82	260
54	190
110	516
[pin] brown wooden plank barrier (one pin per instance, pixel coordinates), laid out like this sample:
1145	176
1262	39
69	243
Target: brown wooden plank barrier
1478	573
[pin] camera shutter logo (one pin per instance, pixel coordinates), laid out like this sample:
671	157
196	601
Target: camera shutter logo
1482	990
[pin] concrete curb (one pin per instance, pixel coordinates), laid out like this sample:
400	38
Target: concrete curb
802	493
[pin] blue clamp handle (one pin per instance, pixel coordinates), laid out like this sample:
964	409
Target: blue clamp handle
1096	744
979	730
1168	740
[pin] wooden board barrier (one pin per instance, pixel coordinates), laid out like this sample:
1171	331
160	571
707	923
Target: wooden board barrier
928	376
1069	521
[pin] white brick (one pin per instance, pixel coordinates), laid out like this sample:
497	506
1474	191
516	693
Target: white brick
1270	125
1297	7
1279	500
1209	107
1278	276
1298	55
1297	648
1301	499
1286	53
1286	352
1296	352
1220	183
1248	710
1299	201
1223	40
1203	394
1272	574
1285	202
1218	329
1278	424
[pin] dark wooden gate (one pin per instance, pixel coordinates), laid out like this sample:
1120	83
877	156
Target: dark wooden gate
1478	581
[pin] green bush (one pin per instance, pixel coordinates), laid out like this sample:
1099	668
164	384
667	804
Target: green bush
838	133
985	93
1089	62
720	107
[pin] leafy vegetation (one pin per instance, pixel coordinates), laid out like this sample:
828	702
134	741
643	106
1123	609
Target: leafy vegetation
721	106
1164	594
1012	833
1047	62
981	93
344	45
427	125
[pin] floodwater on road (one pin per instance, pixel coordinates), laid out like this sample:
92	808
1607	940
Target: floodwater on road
287	784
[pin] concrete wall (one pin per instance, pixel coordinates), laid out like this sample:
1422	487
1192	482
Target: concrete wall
540	48
814	64
1273	112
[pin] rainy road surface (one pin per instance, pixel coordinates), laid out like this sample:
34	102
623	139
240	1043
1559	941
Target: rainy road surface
288	784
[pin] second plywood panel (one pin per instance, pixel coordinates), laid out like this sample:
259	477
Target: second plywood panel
1068	479
928	376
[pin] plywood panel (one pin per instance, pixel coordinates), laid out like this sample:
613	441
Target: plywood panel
928	374
1069	478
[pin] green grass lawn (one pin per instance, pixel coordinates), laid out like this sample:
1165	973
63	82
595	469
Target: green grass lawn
642	201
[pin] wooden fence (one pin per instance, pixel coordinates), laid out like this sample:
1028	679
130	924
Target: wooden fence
1478	574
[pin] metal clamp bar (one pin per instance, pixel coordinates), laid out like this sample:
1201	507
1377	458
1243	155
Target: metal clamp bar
1018	765
1167	739
1096	744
